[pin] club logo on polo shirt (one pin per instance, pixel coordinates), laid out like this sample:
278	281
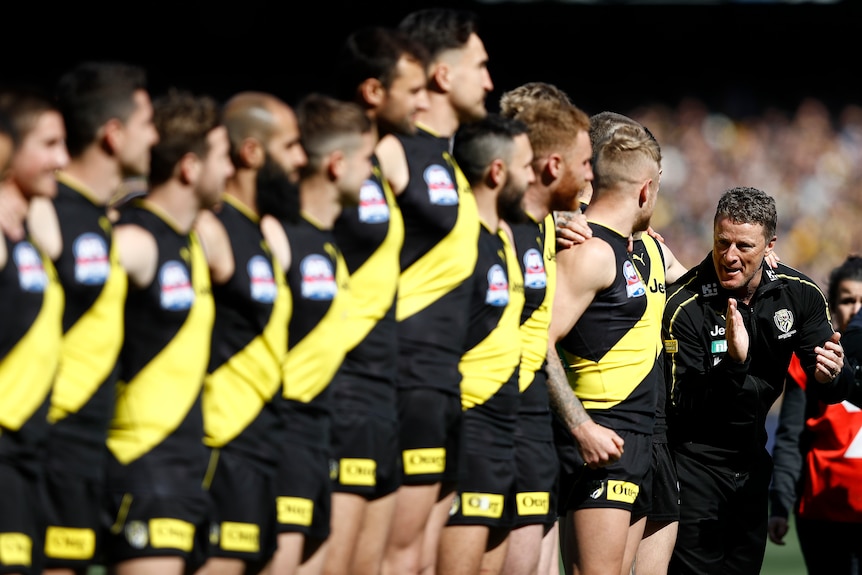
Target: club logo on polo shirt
441	189
318	278
176	286
31	272
262	280
783	319
92	265
373	208
535	276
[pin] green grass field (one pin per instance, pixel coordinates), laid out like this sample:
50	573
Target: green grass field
786	559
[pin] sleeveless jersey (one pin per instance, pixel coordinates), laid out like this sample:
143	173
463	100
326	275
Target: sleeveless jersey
489	368
370	237
157	427
82	401
536	249
648	258
832	440
249	344
441	231
31	305
318	282
610	353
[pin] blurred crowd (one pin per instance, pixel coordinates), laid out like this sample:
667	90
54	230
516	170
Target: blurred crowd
808	159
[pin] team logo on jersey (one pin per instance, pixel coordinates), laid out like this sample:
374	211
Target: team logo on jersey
709	290
137	534
92	265
176	286
318	278
598	489
534	270
373	208
634	285
441	189
31	272
263	288
783	319
498	287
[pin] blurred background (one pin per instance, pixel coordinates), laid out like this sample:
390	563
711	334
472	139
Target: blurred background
763	93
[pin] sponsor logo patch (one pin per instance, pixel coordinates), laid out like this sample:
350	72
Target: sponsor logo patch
535	276
624	491
533	503
92	265
169	533
262	280
373	208
176	286
634	285
318	278
15	549
498	287
31	273
294	510
69	542
441	189
482	505
422	461
243	537
358	471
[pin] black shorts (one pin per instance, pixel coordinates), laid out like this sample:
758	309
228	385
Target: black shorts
429	431
480	498
147	524
21	525
614	486
243	498
659	499
73	506
536	479
365	447
304	490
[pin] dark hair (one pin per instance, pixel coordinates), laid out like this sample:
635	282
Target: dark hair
183	122
440	29
746	205
850	269
22	106
93	93
479	143
326	123
374	52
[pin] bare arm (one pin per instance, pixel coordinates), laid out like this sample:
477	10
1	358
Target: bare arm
216	245
44	227
582	272
393	163
276	238
139	253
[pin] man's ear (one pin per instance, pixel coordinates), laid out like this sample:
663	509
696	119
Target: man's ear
554	165
372	91
112	134
189	168
335	165
251	153
497	173
440	77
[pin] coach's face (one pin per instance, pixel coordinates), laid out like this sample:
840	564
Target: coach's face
738	252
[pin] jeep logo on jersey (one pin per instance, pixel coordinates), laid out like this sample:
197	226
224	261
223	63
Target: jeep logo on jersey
441	189
31	274
634	285
318	278
373	208
261	279
91	259
534	270
783	318
498	287
176	287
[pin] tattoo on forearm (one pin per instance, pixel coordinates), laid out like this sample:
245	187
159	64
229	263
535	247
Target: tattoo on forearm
563	400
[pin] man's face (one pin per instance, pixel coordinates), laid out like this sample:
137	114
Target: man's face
216	168
405	98
738	252
284	146
470	80
576	176
848	304
356	169
42	152
139	135
520	176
